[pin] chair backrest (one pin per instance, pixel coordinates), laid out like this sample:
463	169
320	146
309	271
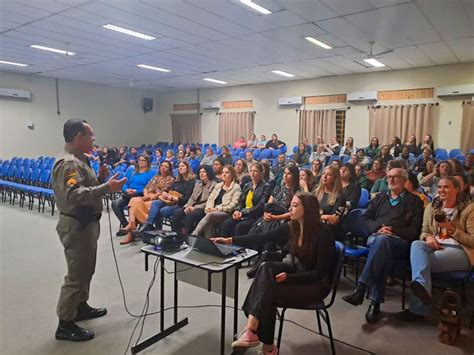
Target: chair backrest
284	149
454	152
45	176
442	156
353	223
340	249
440	151
332	158
35	175
275	153
25	174
345	159
364	198
461	158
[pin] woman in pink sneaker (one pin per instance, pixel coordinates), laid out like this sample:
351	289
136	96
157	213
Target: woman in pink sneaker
303	277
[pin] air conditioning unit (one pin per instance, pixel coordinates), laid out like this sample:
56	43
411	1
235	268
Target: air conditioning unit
290	101
211	105
19	94
455	90
362	96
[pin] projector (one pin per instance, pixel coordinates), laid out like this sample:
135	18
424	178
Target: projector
163	239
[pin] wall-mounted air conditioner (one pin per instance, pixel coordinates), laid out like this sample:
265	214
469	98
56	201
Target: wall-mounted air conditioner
211	105
19	94
290	101
362	96
455	90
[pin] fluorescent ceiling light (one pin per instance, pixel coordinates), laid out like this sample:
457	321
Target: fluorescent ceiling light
49	49
215	81
13	63
283	73
374	62
144	66
256	7
128	32
318	43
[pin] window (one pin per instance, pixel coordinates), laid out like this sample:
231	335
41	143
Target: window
340	126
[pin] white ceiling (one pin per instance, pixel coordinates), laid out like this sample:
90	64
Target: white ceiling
225	40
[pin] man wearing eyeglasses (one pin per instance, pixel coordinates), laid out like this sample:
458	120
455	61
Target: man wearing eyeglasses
393	220
78	196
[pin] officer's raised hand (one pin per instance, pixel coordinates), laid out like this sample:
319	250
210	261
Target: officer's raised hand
115	185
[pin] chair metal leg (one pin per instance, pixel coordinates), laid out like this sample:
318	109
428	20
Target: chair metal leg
280	330
403	290
328	322
319	322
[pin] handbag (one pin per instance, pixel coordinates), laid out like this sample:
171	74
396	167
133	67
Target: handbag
172	193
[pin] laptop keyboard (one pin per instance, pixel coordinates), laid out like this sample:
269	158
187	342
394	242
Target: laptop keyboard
226	249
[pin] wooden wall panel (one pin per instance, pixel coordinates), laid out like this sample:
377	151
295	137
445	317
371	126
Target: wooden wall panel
325	99
237	104
186	107
410	94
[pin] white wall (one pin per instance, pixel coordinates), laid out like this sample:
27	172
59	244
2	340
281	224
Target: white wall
115	114
284	121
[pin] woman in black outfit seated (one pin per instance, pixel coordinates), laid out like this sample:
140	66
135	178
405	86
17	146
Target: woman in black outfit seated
350	185
302	278
186	218
332	200
274	143
254	196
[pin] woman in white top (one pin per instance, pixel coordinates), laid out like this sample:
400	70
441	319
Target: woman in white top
348	148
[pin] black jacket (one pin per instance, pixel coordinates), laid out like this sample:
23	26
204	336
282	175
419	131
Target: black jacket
260	197
405	218
185	188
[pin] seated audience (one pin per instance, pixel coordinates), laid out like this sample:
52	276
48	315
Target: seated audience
335	146
262	142
412	146
361	178
456	165
249	160
465	194
303	278
181	155
275	143
420	164
242	171
132	188
429	168
332	200
278	169
252	142
412	185
177	196
221	203
469	162
350	185
396	147
307	146
336	163
321	153
139	206
446	244
384	154
121	157
316	170
349	148
186	218
267	172
373	150
381	185
441	170
254	196
427	143
157	157
240	143
199	155
132	155
362	159
393	220
94	153
301	157
307	183
169	157
226	155
218	166
194	162
408	159
209	158
377	171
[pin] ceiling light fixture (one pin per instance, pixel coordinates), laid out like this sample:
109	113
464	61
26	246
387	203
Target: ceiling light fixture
215	81
144	66
49	49
128	32
374	62
256	7
317	42
283	73
13	63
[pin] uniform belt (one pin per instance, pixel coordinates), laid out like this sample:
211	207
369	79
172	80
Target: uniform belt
94	217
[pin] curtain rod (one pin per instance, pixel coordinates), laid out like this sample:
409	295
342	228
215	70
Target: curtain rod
221	112
336	109
378	106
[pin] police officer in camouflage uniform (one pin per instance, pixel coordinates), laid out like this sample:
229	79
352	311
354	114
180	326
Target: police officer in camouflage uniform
79	199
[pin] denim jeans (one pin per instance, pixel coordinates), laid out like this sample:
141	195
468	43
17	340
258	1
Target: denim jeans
424	260
159	209
384	251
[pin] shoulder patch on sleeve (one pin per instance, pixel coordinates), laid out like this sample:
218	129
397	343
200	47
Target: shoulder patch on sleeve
71	176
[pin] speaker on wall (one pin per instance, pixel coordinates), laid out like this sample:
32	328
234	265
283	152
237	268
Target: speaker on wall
147	104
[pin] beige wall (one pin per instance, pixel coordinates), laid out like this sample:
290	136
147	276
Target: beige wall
271	118
115	113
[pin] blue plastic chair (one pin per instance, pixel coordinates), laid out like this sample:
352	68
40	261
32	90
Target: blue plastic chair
454	152
355	232
442	156
284	149
440	151
345	159
321	307
461	158
364	198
